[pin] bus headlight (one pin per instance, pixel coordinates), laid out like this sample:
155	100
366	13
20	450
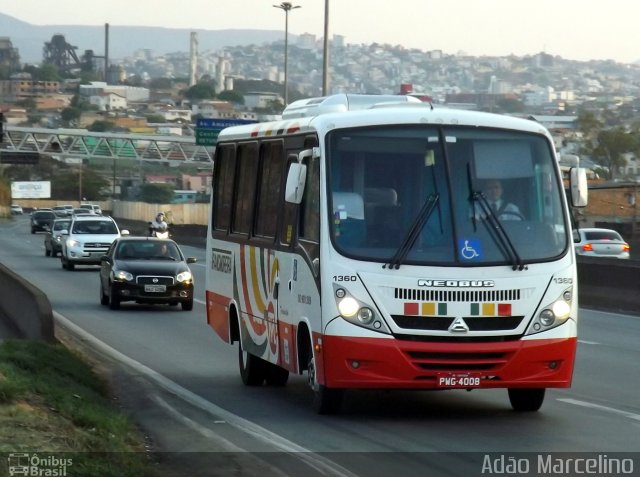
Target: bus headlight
365	315
552	315
358	313
348	307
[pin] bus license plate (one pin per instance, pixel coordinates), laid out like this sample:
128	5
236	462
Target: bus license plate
155	288
453	380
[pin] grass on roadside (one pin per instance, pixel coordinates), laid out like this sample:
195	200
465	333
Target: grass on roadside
52	402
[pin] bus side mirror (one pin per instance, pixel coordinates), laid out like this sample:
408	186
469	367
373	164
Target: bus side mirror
578	187
295	183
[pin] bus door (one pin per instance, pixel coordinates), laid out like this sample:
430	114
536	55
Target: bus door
299	262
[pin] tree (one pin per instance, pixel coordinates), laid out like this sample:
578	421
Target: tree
68	185
201	91
156	193
71	115
101	126
80	103
610	147
231	96
588	124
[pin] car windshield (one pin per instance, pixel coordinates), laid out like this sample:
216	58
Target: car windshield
421	195
148	250
44	215
61	224
94	227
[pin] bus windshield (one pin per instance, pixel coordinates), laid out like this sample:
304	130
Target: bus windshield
499	196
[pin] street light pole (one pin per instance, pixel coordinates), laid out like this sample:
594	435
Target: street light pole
325	51
286	7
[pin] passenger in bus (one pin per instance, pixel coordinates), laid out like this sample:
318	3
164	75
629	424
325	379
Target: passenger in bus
382	214
502	209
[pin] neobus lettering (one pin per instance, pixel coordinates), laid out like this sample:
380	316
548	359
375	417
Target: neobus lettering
456	283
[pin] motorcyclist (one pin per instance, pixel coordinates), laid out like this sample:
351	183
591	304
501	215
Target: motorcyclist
158	224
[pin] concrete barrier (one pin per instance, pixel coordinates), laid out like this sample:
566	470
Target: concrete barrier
609	284
24	308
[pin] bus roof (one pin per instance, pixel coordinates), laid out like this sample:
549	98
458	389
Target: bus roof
363	110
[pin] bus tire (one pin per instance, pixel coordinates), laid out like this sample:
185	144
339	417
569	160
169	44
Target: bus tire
526	399
275	375
325	400
252	368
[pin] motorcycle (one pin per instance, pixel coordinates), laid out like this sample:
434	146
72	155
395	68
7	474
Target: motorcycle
158	232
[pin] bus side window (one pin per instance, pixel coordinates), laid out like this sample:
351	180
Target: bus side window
225	165
270	178
246	179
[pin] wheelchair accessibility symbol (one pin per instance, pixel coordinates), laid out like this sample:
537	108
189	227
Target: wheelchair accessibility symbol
470	249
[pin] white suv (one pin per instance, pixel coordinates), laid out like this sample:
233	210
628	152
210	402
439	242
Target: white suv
92	208
87	240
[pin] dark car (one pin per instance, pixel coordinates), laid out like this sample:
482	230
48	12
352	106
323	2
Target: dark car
53	239
42	220
146	270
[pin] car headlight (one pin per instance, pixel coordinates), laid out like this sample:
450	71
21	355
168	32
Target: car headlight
73	243
184	277
122	276
554	314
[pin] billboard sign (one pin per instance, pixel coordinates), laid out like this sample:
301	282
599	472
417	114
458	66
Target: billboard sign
31	190
207	129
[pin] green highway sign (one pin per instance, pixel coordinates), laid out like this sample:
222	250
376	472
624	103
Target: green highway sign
206	136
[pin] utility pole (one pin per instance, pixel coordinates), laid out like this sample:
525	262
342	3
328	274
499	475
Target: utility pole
325	51
286	7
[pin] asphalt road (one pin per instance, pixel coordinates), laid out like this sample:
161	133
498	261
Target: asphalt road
182	375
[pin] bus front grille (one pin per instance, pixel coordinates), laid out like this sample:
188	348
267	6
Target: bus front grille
442	323
470	296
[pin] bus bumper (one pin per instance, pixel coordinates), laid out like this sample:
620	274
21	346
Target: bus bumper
359	362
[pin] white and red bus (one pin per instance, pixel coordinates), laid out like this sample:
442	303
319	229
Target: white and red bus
353	241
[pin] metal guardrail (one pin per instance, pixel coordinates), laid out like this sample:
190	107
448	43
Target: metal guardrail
80	143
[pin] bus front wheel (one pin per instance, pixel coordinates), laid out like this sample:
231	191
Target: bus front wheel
252	368
325	400
526	399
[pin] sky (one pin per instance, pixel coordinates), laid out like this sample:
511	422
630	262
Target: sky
574	29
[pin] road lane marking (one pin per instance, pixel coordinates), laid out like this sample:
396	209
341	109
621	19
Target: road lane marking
588	342
629	415
200	301
260	433
226	445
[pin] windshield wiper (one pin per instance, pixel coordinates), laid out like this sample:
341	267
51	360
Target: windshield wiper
414	231
498	230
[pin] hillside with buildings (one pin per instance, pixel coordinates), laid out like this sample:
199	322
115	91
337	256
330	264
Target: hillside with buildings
146	89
